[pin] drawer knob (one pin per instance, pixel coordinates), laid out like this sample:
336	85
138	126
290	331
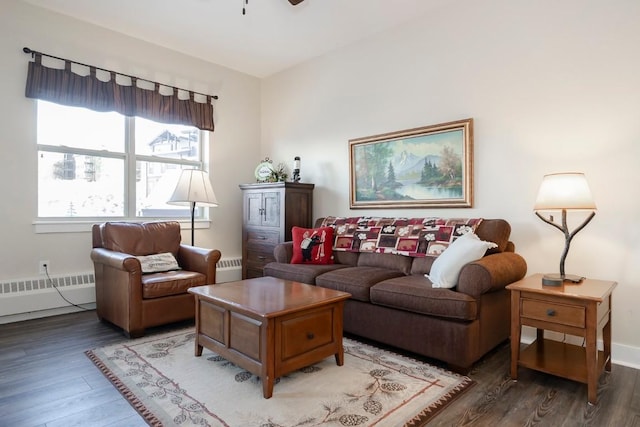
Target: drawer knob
310	335
551	312
260	257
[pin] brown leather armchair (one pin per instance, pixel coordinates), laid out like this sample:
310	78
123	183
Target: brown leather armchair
133	300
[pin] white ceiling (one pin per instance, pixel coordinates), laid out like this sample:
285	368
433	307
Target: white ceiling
273	35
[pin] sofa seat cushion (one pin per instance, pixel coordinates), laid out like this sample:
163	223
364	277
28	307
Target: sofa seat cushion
355	280
414	293
157	285
303	273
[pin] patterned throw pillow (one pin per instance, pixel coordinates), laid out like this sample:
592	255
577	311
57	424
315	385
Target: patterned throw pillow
157	263
416	237
312	245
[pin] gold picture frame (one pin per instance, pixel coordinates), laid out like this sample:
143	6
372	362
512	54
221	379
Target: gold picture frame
426	167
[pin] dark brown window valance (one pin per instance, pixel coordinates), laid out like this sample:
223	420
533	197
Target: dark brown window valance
63	86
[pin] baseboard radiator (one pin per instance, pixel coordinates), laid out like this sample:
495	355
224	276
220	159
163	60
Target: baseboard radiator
31	298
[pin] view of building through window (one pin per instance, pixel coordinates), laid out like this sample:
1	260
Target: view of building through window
94	164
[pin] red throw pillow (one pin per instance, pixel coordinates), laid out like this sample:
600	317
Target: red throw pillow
312	245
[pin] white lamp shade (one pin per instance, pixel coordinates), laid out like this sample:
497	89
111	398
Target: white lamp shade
193	186
568	190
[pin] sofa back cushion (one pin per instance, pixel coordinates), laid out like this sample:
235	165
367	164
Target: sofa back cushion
422	265
141	238
347	258
389	261
496	231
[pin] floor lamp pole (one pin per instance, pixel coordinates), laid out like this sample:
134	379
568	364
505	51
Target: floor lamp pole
193	211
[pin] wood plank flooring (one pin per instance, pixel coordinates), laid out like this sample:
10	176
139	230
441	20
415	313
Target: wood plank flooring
46	380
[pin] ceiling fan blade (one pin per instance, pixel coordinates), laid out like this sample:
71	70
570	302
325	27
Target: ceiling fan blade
295	2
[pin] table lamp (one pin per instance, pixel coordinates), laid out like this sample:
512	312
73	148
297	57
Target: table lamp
563	192
193	187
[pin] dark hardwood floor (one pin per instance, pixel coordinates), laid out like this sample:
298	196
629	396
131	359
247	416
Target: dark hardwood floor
46	380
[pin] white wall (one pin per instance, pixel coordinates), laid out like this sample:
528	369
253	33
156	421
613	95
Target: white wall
236	118
552	86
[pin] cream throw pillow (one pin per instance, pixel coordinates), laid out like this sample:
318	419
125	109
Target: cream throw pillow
158	262
465	249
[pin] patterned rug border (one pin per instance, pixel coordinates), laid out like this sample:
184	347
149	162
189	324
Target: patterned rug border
130	396
419	420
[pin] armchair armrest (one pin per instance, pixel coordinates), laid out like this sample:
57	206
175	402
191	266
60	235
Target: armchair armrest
117	260
283	252
200	260
491	273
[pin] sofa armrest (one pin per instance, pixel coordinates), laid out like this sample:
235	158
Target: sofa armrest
283	252
491	273
200	260
117	260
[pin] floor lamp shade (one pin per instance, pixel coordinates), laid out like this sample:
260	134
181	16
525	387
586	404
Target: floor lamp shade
194	186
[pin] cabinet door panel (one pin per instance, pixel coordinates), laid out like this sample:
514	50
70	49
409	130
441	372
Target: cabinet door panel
253	208
272	209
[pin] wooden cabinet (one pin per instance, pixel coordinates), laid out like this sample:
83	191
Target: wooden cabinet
574	309
269	212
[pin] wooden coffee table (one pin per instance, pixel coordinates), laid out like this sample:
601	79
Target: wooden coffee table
269	326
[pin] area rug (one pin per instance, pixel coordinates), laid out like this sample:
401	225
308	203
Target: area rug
163	380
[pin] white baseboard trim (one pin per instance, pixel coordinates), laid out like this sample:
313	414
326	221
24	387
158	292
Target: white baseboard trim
20	317
19	306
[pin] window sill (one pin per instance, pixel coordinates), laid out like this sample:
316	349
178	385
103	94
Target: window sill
63	226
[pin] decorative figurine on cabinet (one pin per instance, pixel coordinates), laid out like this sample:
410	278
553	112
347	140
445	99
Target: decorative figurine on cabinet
296	169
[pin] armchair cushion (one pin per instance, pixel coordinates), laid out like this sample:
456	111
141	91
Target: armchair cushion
170	283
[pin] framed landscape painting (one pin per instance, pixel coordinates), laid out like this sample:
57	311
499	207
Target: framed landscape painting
427	167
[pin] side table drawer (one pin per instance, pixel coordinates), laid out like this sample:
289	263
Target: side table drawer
570	315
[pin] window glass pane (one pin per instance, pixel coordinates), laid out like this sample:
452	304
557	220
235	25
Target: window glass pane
166	140
78	127
155	183
72	185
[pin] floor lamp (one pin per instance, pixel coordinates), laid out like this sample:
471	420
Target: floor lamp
193	187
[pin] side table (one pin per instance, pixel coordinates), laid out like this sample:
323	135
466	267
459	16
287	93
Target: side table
575	309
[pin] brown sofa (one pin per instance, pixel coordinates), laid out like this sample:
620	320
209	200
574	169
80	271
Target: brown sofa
394	303
133	300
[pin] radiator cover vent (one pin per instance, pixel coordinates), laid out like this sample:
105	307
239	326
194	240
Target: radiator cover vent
229	263
43	283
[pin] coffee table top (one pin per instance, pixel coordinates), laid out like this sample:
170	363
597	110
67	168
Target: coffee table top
268	296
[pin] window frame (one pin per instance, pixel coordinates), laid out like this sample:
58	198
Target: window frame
130	159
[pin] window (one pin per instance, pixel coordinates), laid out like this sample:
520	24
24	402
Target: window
95	164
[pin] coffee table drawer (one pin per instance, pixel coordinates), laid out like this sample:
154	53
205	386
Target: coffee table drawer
305	332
